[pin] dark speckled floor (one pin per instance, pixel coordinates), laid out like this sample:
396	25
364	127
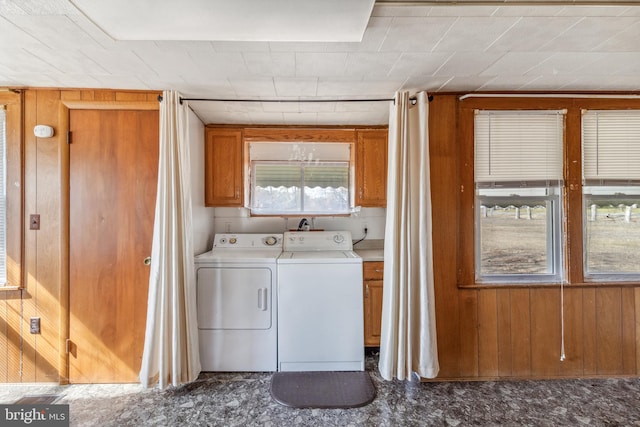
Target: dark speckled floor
243	400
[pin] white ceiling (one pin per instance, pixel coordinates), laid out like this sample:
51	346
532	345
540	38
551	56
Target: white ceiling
438	46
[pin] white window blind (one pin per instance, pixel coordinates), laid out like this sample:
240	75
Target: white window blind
611	145
517	146
3	197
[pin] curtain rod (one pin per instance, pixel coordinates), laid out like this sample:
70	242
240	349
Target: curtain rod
412	99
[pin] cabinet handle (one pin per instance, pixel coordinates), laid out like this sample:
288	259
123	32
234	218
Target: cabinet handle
366	291
379	271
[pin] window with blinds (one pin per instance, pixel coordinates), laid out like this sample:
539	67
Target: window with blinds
3	197
300	178
518	171
611	193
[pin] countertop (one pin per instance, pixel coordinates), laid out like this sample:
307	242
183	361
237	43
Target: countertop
370	250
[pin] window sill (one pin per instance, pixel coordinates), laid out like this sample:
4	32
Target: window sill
10	288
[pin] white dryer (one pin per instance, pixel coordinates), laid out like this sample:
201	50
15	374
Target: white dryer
320	304
237	304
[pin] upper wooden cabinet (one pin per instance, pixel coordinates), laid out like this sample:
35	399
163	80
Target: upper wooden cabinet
371	168
223	167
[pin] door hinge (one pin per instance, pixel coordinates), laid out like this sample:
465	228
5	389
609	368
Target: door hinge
67	346
69	137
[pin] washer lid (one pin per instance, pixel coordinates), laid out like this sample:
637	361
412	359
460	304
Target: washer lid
319	257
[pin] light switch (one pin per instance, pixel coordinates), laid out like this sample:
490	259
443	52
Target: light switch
34	325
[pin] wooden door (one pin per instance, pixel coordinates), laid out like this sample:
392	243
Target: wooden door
223	167
113	177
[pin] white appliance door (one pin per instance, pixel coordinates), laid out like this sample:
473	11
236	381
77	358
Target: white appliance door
234	298
320	319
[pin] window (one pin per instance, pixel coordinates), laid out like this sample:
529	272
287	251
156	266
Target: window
11	198
611	194
518	192
300	178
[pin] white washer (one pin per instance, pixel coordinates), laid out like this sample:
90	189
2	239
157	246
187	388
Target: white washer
320	307
237	303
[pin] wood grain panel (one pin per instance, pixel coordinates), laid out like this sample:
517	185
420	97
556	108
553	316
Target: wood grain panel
609	331
48	240
223	167
628	332
4	344
113	182
520	332
302	134
589	321
444	199
488	333
371	168
637	327
505	344
545	332
573	332
29	297
469	336
15	367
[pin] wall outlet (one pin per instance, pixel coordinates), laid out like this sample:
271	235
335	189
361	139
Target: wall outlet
34	325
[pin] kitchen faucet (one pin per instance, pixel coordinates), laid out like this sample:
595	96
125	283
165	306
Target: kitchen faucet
304	223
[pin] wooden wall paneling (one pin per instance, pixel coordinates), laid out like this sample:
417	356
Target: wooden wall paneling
637	327
545	332
468	315
589	340
30	291
628	332
488	333
4	344
609	331
573	198
466	256
443	168
63	334
48	243
13	303
573	365
520	332
504	332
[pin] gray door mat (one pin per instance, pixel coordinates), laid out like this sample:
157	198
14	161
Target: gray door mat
42	399
319	389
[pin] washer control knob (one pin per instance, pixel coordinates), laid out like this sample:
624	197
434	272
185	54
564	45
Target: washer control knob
270	241
338	238
233	240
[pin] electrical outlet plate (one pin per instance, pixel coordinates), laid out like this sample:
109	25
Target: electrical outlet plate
34	325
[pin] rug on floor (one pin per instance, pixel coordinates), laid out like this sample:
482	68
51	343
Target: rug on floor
42	399
324	390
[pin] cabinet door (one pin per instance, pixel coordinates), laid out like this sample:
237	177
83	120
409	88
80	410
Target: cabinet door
223	167
371	168
372	312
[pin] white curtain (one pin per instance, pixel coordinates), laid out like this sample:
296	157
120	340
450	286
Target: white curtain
171	355
408	343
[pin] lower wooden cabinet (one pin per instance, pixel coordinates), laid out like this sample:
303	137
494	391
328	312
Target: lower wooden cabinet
372	288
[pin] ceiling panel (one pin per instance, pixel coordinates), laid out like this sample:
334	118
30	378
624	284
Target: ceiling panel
540	46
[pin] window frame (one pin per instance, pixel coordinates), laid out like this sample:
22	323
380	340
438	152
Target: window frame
549	183
12	100
572	221
301	134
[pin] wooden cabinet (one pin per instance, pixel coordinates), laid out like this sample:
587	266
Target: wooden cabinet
371	168
372	287
223	167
